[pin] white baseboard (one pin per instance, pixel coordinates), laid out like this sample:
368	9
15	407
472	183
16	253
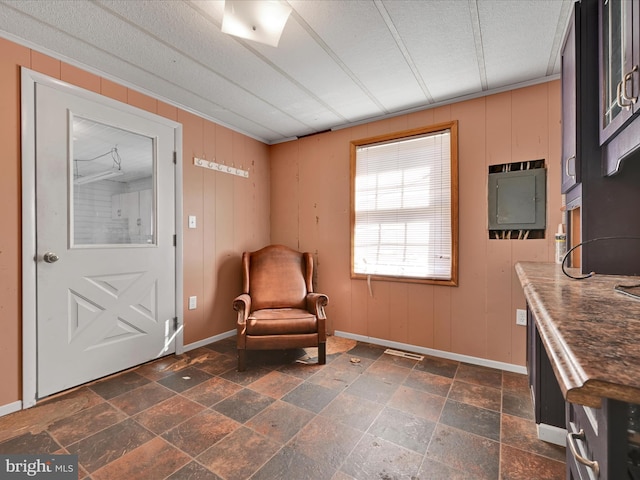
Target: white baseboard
509	367
207	341
547	433
10	408
551	434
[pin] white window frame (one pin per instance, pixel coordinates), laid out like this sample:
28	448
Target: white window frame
434	258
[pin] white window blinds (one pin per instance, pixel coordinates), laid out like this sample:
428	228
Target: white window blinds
402	208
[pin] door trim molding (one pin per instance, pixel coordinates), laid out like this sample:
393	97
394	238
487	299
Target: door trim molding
29	79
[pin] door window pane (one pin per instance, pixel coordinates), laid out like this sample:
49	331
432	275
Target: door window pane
112	185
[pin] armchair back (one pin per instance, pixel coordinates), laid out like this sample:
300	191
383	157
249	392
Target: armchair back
277	277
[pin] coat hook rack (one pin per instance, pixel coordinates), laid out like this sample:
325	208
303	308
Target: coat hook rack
218	167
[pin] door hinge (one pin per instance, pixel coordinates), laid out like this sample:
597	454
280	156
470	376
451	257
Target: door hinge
175	240
175	157
175	324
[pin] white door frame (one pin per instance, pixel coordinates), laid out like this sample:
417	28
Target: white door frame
29	253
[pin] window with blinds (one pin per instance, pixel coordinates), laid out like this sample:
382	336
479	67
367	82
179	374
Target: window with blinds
404	205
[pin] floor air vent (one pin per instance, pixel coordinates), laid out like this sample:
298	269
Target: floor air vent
398	353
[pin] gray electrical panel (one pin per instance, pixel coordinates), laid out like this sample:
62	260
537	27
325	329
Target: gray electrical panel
518	200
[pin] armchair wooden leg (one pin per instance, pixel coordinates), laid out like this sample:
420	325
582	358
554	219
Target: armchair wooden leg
322	353
242	364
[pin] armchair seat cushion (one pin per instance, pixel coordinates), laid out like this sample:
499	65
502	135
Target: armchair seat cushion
276	321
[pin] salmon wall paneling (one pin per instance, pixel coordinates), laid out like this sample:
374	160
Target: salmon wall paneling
232	213
80	78
45	64
297	194
13	56
310	196
113	90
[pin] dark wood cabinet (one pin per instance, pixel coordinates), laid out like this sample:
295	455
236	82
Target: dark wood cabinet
598	442
591	337
602	443
570	168
580	146
548	402
607	188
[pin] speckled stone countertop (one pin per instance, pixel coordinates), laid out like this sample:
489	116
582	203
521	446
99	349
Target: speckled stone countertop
590	332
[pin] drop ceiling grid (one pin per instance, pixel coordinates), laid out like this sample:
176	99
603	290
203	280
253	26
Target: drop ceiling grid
444	52
308	63
509	38
88	23
153	56
192	83
87	54
257	90
64	46
197	37
358	35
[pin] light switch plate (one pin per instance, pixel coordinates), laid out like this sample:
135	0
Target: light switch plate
521	317
192	221
193	303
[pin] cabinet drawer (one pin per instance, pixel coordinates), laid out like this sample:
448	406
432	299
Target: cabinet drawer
604	439
584	446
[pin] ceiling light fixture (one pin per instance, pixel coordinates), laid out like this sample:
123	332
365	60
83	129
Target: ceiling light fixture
259	20
96	177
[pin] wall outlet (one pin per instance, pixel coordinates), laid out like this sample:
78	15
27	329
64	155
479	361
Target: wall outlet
193	303
521	317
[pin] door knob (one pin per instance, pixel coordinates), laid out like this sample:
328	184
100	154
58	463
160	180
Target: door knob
51	257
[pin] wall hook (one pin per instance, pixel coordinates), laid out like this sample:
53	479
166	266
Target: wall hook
220	167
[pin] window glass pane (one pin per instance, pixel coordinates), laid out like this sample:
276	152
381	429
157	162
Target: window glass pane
403	207
112	187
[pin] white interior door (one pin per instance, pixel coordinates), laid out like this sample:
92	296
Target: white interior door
105	225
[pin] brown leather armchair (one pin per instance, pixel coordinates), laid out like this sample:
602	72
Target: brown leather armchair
278	308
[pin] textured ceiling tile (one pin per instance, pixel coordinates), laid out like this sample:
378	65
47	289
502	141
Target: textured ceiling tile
313	68
518	38
338	61
443	51
356	32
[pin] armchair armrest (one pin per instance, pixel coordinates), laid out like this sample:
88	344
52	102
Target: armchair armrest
242	305
316	303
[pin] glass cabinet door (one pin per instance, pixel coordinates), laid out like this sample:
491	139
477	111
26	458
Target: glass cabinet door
618	65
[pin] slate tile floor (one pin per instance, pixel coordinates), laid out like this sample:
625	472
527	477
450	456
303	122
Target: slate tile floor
385	417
